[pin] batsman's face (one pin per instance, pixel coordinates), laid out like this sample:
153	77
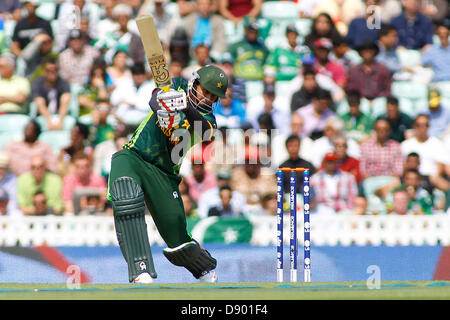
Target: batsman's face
205	97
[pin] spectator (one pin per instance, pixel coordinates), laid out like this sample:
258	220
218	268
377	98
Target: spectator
27	28
11	10
279	152
81	177
119	70
23	151
322	27
343	54
400	202
206	27
35	53
412	161
120	38
78	145
284	62
387	45
255	108
334	188
230	112
189	205
316	114
346	162
236	84
438	55
104	150
249	55
130	98
434	160
201	58
294	160
8	180
97	88
14	89
438	115
341	11
237	10
325	144
360	29
52	95
415	30
370	78
419	200
401	123
211	198
176	69
101	128
225	207
252	177
40	205
308	89
360	206
165	21
323	64
438	196
200	180
77	60
91	205
380	155
4	205
269	204
179	48
357	124
86	13
39	179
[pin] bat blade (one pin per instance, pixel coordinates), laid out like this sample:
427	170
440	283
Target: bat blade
154	51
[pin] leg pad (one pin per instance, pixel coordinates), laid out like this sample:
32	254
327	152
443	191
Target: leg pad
129	217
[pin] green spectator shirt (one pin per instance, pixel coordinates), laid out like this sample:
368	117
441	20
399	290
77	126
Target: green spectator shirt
4	45
157	145
357	128
284	63
51	185
421	204
249	59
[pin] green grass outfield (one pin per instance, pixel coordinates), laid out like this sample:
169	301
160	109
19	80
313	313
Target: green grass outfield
403	290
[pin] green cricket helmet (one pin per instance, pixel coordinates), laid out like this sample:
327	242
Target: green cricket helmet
212	79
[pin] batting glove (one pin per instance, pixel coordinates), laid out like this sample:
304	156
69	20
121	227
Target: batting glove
172	100
167	119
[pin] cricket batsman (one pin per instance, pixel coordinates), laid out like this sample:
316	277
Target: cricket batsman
146	172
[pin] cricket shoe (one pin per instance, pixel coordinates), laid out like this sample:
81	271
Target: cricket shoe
211	277
144	277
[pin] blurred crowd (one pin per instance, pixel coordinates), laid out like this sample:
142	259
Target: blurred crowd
357	91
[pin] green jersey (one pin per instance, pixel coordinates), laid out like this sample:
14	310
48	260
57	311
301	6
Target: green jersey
284	62
249	59
357	127
157	145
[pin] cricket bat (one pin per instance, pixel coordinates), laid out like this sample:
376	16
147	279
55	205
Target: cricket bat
154	51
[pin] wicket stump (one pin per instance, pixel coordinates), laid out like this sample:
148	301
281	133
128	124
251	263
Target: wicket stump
293	243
